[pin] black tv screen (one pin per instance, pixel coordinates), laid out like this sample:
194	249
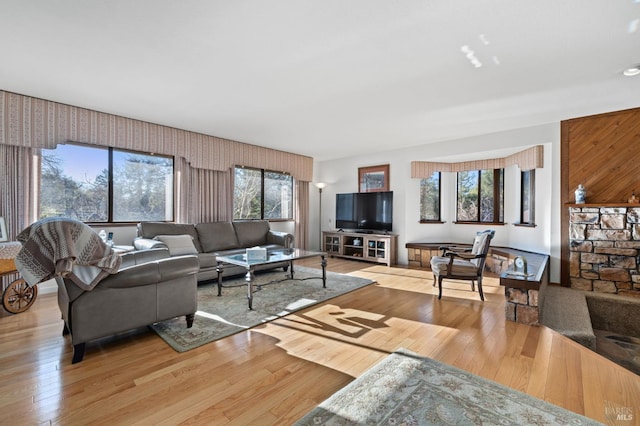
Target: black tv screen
365	211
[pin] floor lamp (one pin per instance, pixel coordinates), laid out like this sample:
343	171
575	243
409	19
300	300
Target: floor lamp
320	185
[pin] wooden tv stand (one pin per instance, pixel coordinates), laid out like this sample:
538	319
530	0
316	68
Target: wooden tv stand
379	248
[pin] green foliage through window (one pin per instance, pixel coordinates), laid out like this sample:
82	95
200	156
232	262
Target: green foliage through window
76	181
527	197
480	196
430	198
262	194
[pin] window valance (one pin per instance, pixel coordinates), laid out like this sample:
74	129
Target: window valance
37	123
531	158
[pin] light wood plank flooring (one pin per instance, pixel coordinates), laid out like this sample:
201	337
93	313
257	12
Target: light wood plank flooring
275	373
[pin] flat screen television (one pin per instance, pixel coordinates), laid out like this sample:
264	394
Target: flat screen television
365	211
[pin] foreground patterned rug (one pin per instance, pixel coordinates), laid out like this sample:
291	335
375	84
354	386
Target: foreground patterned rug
406	389
218	317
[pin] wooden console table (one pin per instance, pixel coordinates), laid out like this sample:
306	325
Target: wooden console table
380	248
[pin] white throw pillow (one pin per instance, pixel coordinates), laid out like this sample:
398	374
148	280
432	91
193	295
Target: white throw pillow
178	245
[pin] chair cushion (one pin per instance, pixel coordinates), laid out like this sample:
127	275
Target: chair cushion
481	245
480	241
178	245
460	267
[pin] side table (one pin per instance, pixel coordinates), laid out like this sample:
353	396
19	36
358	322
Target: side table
18	296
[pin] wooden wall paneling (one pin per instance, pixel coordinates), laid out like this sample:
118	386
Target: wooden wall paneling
600	152
566	196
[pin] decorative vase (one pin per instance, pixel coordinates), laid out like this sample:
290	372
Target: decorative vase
581	194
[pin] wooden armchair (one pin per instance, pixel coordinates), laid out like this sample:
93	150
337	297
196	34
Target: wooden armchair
463	263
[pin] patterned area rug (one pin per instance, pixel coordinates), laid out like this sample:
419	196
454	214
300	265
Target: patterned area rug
274	296
406	389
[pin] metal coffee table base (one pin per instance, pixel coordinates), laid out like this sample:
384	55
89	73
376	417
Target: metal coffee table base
250	276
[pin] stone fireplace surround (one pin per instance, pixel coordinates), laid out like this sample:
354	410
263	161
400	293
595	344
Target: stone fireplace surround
604	248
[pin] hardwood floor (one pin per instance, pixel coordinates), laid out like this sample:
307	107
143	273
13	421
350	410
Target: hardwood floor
275	373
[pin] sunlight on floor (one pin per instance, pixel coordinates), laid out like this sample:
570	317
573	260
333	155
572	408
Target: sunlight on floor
349	340
421	281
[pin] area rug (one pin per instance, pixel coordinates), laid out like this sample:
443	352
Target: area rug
274	296
406	389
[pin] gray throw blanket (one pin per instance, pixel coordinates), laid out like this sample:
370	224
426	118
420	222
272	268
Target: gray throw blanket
66	248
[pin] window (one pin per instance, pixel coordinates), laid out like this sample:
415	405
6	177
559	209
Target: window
262	194
430	198
480	196
93	184
527	197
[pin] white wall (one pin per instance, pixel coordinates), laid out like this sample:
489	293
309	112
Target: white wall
342	176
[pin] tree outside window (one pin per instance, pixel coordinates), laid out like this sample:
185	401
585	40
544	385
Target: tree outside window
143	187
527	197
262	194
430	198
105	185
480	196
247	194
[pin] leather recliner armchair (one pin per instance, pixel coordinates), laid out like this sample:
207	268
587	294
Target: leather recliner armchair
150	286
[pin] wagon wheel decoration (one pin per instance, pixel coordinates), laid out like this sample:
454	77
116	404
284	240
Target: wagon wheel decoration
18	297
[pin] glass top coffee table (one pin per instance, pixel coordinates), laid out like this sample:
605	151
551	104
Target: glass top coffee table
273	256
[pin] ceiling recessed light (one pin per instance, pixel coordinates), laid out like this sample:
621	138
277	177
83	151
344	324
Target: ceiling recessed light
632	71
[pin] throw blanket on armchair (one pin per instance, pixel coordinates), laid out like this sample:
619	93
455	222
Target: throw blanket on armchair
67	248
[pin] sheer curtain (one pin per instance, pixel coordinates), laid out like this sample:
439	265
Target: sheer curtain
209	197
16	180
16	200
302	215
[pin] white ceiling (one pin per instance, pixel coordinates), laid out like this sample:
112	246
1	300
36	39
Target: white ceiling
327	78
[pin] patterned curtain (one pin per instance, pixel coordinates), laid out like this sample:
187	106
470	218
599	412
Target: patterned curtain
16	181
37	123
203	163
16	199
209	197
182	177
529	159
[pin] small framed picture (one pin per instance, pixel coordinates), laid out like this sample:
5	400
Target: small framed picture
373	179
3	230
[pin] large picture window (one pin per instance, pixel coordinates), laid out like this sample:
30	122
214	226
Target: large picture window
480	196
105	185
262	194
430	198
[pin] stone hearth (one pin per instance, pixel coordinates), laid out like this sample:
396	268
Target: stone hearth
604	249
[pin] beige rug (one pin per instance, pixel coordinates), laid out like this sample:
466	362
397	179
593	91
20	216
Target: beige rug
274	297
406	389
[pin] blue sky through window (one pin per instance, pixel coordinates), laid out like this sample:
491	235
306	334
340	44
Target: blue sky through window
82	163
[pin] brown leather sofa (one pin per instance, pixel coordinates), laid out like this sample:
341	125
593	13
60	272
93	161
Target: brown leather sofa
150	286
211	239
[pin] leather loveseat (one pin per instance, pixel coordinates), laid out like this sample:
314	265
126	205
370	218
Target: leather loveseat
210	239
150	286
